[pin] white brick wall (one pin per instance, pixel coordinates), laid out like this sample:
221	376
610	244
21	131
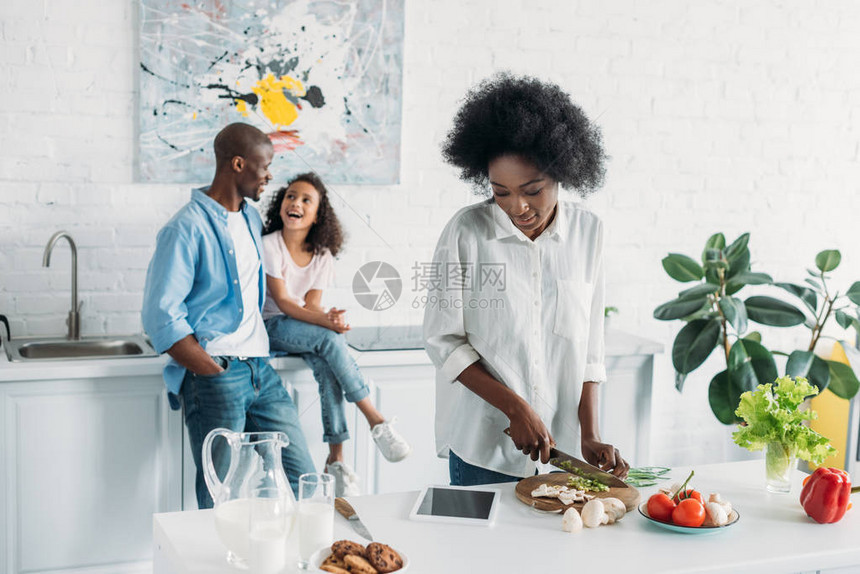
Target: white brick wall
719	115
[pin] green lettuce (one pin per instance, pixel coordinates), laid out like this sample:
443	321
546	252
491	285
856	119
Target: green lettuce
771	415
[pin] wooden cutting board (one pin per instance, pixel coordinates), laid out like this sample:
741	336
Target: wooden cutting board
629	496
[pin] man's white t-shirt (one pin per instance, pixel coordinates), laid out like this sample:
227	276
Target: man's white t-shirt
250	338
318	274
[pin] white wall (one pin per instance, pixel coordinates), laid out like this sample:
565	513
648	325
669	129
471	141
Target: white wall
719	115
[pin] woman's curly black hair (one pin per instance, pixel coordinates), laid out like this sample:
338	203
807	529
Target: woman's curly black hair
524	116
326	233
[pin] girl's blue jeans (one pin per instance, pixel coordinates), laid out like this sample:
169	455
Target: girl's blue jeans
334	369
248	396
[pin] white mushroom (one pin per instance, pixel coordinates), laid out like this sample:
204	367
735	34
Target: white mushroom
614	508
571	521
541	490
727	506
716	514
593	514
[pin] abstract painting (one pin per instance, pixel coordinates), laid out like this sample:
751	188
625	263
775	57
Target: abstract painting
322	77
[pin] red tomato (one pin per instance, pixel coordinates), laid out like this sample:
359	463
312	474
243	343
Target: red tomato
689	512
689	493
660	507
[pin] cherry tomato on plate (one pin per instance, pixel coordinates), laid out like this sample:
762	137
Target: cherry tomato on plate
660	507
689	512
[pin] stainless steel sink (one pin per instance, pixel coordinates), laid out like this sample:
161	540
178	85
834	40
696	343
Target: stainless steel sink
86	348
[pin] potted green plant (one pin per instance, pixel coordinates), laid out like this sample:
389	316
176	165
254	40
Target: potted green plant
716	316
774	422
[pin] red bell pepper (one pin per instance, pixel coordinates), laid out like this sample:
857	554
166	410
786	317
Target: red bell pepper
825	494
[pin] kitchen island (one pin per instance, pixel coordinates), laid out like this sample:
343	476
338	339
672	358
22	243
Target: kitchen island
773	535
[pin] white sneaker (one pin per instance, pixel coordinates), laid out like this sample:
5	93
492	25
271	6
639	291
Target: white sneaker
389	442
345	479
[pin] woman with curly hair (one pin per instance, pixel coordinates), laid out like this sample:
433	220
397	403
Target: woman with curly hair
300	239
516	328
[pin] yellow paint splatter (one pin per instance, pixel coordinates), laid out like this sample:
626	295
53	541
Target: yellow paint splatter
242	108
273	99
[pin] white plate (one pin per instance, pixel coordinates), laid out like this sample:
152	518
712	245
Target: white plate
320	555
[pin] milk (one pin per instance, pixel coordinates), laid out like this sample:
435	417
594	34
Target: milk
264	546
231	523
316	527
268	550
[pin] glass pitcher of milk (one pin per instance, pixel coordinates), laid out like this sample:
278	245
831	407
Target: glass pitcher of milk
238	467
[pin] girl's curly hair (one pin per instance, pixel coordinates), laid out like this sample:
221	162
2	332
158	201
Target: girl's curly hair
524	116
326	233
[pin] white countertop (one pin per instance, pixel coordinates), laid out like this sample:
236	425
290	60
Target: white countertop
617	344
773	534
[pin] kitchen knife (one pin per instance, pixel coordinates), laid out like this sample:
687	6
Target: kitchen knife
558	457
591	472
347	511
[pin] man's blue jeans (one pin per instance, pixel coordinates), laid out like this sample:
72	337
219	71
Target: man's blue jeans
246	397
335	371
464	474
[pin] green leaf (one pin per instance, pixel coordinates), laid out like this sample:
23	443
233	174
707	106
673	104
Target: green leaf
773	312
711	276
750	365
843	381
853	355
698	292
735	284
810	366
843	319
735	312
816	284
853	293
828	260
754	336
805	294
737	246
694	344
717	242
679	308
739	264
723	398
682	268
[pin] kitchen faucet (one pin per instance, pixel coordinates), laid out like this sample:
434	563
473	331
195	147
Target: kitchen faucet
74	320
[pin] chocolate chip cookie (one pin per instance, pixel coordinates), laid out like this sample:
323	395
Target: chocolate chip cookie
358	565
343	548
383	557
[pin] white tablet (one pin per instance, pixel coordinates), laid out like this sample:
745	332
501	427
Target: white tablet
457	504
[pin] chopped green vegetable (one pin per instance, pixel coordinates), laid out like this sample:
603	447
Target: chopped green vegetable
771	415
579	480
647	475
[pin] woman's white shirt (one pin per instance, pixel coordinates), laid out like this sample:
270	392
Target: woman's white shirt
530	311
277	262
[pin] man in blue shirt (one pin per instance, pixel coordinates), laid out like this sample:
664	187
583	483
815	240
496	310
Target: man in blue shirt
202	301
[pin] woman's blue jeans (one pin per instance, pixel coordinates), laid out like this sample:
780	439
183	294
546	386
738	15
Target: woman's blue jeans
248	396
464	474
334	369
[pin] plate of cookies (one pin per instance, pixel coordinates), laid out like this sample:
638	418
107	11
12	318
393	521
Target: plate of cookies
349	557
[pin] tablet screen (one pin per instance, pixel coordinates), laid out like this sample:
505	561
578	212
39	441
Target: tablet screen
456	503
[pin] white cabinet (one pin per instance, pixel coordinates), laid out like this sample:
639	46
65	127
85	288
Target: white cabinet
85	464
407	392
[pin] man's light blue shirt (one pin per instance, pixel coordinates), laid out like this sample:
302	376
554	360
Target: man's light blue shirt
192	284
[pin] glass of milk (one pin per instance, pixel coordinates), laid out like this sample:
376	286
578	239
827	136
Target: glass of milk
270	520
316	514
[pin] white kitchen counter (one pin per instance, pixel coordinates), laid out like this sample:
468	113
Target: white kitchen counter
773	534
617	344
